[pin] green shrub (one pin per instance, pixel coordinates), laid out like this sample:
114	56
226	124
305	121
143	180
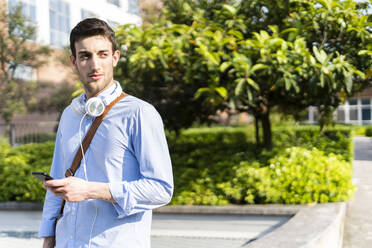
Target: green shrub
297	175
217	166
36	138
368	131
208	171
358	130
17	183
336	140
202	157
3	140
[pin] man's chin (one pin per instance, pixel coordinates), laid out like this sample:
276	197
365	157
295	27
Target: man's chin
91	81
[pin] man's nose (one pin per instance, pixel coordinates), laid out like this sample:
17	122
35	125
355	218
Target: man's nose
94	63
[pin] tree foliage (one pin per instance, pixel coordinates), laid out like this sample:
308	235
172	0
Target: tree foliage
17	50
160	65
254	55
151	11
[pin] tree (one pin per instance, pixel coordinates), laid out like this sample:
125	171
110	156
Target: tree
258	54
17	50
151	11
160	65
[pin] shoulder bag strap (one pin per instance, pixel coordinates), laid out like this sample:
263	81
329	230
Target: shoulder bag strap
86	142
89	136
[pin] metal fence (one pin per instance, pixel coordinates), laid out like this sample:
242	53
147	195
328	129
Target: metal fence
29	132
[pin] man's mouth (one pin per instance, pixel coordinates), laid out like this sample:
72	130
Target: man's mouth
95	76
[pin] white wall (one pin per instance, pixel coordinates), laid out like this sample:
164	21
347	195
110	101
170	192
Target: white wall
101	8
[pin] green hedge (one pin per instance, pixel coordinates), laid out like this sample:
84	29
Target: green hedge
16	165
336	140
217	166
35	138
201	157
206	168
368	131
292	177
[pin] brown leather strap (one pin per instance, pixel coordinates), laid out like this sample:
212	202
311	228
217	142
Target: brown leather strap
89	136
86	142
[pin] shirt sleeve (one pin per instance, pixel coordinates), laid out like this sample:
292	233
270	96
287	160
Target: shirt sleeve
52	203
155	186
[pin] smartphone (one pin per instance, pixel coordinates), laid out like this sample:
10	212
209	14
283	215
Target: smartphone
42	176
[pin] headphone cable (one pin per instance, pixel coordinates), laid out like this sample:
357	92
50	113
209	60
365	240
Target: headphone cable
81	147
86	178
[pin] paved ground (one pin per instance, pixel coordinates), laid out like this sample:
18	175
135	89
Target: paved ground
358	224
206	231
19	229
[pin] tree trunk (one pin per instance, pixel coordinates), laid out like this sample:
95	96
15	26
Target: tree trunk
9	133
266	128
257	130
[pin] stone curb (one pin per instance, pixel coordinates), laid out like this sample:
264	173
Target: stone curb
319	226
269	209
312	226
21	206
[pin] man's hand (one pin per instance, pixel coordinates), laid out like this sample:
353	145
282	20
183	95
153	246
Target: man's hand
75	189
49	242
71	189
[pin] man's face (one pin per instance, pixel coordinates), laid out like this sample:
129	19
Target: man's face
95	63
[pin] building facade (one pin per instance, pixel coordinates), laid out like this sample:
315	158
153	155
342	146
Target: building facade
356	110
54	20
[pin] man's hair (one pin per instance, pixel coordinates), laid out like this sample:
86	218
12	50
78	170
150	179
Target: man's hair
91	27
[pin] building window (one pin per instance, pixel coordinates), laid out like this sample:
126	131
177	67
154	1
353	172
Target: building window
341	115
353	114
366	114
366	110
133	7
28	8
114	2
87	14
24	72
59	22
353	101
366	101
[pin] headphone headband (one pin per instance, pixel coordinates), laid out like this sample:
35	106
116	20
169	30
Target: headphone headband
95	105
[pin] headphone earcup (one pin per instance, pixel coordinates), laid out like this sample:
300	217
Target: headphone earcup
77	106
94	106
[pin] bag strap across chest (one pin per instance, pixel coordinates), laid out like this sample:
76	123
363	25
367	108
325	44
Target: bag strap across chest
86	142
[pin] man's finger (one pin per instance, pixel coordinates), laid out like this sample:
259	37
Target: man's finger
59	193
55	183
60	189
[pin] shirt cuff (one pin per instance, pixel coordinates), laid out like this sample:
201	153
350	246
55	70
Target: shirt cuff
122	205
47	228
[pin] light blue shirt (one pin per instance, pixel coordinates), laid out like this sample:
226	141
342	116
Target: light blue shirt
129	152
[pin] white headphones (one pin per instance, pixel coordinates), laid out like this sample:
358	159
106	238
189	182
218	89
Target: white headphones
94	106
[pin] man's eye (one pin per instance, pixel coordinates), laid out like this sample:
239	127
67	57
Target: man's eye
84	57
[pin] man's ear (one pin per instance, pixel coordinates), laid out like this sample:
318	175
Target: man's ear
115	57
73	61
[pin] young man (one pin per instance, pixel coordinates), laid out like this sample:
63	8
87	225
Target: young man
126	171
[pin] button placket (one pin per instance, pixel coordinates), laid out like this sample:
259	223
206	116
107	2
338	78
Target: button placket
73	220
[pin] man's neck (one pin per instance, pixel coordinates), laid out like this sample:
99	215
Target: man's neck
92	93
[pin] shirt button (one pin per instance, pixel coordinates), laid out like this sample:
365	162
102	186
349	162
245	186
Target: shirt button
73	213
71	237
